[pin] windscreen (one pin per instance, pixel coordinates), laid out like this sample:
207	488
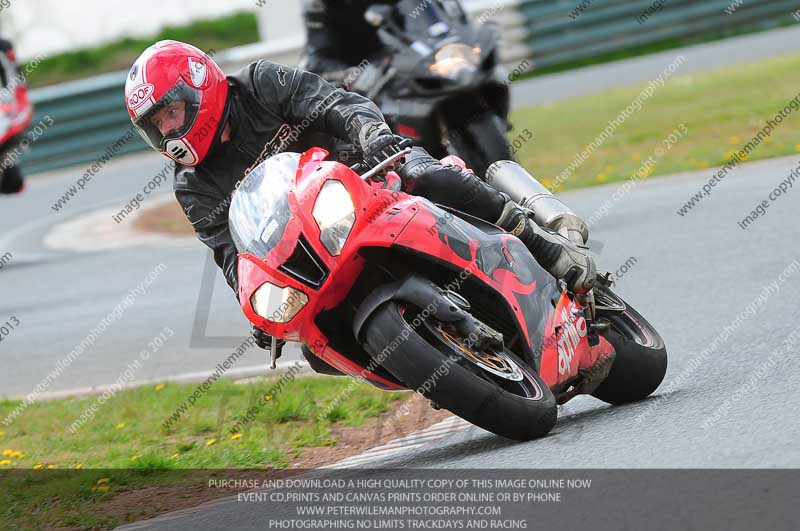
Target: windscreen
259	209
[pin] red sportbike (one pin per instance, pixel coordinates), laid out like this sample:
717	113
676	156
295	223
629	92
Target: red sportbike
407	294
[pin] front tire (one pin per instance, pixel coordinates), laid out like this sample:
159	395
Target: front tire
440	374
482	142
641	361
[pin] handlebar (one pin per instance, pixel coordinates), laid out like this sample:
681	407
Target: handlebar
404	144
386	163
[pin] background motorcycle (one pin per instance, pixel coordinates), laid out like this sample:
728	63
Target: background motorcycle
409	295
442	85
16	112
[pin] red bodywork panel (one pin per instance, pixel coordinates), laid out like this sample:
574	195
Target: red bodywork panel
19	111
386	218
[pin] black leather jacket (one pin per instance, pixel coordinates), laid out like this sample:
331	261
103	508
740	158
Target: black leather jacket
268	103
337	36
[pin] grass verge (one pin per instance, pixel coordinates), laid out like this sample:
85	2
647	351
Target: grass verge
214	34
124	465
722	110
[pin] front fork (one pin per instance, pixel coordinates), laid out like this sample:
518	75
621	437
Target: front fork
589	304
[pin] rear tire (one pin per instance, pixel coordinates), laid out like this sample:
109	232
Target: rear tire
641	361
459	386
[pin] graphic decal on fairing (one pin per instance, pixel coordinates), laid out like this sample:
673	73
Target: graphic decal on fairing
454	238
506	261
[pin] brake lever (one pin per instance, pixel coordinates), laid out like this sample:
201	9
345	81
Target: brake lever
386	163
405	143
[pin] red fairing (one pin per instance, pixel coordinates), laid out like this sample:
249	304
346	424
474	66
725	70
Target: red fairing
376	225
566	347
386	218
16	106
503	280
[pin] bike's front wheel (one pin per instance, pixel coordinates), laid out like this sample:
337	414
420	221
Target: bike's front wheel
640	363
489	387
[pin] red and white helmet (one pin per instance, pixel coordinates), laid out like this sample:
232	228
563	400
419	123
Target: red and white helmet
170	71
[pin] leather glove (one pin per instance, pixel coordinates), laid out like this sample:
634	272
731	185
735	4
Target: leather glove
377	142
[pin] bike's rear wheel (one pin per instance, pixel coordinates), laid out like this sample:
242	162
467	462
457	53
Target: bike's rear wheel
641	361
493	390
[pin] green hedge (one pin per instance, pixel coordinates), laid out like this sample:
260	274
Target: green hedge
217	34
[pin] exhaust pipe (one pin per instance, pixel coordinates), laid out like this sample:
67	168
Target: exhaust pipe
548	211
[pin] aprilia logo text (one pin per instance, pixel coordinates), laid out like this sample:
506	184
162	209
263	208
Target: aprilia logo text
572	330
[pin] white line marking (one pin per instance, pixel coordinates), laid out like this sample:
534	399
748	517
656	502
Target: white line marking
189	377
438	431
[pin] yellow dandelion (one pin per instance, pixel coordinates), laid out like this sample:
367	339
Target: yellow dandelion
267	397
79	467
547	183
160	386
797	147
733	140
636	156
610	168
602	177
51	467
2	433
103	481
135	457
236	436
103	488
120	425
5	462
38	466
210	442
7	452
17	454
174	456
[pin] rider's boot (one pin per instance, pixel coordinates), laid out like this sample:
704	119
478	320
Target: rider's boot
561	257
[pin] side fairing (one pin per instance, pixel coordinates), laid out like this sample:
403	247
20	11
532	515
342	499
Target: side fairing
499	260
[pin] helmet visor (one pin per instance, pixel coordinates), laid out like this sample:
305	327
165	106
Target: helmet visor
163	121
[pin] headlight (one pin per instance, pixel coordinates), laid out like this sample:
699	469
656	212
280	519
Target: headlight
454	59
277	305
335	215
